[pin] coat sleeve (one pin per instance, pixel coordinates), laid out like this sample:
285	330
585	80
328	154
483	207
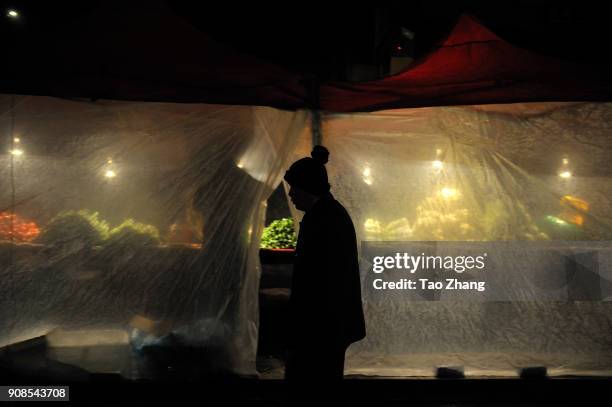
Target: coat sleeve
345	285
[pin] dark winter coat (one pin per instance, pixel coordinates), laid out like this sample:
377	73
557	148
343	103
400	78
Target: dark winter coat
325	304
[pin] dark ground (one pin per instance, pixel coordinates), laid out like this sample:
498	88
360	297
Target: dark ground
177	381
111	390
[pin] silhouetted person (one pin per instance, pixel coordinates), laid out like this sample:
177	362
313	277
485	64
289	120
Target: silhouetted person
326	313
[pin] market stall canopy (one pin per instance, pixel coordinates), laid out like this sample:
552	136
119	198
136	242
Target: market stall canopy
141	51
472	66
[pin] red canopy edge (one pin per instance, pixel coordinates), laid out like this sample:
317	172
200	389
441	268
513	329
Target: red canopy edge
472	66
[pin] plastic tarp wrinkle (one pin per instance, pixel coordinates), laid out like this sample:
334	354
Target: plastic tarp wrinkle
140	217
532	172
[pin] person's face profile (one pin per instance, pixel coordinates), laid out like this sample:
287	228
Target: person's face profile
300	198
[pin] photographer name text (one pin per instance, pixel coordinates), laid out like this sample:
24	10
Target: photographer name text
412	264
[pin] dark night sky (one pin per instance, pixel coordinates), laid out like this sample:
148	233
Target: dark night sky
317	37
299	36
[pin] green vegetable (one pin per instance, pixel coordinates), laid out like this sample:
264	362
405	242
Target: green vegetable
558	229
132	233
82	225
280	234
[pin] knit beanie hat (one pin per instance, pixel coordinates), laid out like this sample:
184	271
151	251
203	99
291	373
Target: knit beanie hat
309	173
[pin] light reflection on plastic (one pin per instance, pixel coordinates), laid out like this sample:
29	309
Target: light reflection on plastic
367	172
110	174
437	164
564	171
12	13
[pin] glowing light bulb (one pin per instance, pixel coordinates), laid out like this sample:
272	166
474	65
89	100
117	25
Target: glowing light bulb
17	152
565	161
437	164
367	180
556	220
16	139
367	171
371	224
448	193
110	174
13	13
565	174
240	165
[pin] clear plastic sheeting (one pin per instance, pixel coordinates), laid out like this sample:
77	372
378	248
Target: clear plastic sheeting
516	172
138	217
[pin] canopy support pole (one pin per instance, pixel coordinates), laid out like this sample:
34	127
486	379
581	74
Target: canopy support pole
315	126
312	83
